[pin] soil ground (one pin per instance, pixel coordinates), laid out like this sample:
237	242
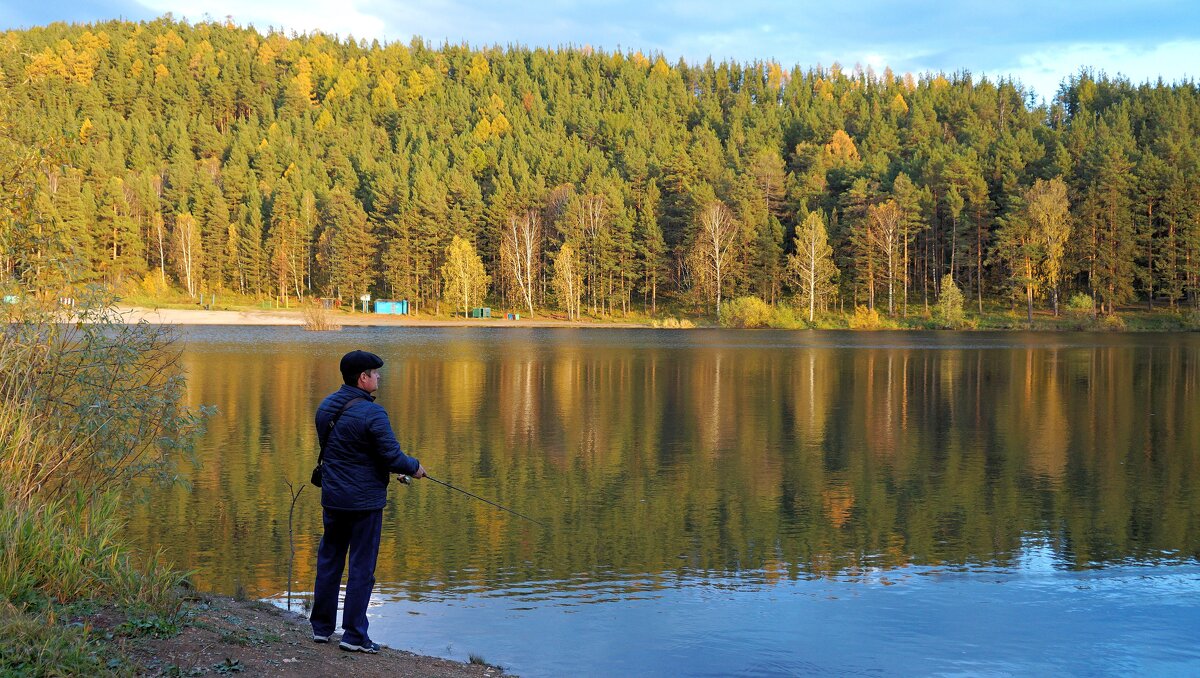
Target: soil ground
224	636
199	316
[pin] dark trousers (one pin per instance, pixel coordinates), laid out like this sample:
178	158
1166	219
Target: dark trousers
356	533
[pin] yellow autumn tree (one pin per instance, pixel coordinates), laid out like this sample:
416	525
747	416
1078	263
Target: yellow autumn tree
300	90
841	149
478	71
464	279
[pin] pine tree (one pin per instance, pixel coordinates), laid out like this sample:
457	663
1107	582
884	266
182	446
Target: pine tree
1106	206
651	246
284	248
352	246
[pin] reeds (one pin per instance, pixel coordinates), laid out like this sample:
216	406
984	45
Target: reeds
69	549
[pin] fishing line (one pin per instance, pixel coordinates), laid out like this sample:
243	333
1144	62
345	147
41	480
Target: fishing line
408	481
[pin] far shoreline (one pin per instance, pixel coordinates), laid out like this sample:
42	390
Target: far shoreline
284	317
1128	321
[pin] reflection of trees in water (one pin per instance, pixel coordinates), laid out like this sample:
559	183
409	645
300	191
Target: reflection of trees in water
793	460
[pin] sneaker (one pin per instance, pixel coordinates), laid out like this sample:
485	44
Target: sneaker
317	638
368	647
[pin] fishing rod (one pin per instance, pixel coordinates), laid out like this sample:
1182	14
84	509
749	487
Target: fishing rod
405	480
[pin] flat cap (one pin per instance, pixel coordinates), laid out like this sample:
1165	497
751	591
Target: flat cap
355	363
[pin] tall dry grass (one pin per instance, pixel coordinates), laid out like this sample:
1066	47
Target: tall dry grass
318	318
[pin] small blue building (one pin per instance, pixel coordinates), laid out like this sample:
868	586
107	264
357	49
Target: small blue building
391	306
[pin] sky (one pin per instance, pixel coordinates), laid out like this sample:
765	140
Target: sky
1036	42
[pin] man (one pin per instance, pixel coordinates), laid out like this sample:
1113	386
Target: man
360	454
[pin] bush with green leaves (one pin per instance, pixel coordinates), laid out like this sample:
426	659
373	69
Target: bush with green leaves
746	312
1081	303
89	402
672	323
867	319
950	304
783	317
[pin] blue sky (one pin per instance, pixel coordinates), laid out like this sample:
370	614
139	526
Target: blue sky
1036	42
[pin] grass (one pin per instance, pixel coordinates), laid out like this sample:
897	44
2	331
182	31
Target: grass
63	558
479	661
32	644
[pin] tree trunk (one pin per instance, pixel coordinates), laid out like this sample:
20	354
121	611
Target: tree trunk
979	259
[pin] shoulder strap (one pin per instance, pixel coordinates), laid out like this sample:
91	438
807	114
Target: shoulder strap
333	422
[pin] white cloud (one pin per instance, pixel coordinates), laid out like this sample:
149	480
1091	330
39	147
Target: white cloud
1044	70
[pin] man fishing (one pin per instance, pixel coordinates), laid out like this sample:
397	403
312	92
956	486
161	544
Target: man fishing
359	451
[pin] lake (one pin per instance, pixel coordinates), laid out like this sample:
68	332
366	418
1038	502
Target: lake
729	502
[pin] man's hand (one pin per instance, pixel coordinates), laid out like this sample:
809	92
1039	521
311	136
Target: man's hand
420	473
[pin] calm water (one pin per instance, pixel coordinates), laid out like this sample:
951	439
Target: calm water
732	503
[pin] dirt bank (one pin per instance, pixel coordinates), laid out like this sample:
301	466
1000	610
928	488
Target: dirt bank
174	316
223	636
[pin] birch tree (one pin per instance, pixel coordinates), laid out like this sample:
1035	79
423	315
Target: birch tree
591	213
1049	214
713	249
520	254
1032	240
568	281
812	267
885	238
464	280
188	250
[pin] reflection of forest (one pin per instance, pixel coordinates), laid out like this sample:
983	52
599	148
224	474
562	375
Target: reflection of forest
651	460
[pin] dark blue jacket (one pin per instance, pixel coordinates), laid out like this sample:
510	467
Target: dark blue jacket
360	453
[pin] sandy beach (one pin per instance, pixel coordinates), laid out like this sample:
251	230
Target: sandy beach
176	316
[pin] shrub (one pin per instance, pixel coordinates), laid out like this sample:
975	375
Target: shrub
670	323
950	304
87	404
316	317
865	319
154	284
114	409
1191	320
746	312
784	318
1081	303
1112	323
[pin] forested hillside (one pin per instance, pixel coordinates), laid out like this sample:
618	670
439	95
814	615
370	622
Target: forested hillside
210	158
